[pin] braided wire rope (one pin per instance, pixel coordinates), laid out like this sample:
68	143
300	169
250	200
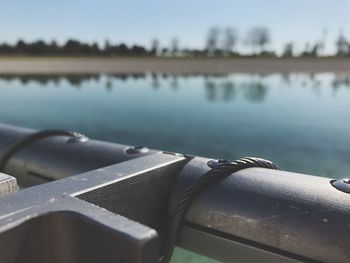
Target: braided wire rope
31	138
219	170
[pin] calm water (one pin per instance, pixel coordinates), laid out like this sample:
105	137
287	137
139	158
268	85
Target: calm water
299	121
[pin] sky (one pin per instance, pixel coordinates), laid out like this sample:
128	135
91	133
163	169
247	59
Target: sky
131	21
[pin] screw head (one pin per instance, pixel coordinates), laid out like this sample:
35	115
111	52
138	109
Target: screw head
346	180
342	185
136	149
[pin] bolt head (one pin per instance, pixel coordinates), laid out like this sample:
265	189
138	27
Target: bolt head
346	180
342	185
136	149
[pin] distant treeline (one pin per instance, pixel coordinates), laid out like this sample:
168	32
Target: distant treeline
72	48
219	42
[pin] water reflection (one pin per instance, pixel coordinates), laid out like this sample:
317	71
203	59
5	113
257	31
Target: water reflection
255	91
223	90
229	90
211	90
73	80
218	88
155	81
300	121
341	81
174	84
286	79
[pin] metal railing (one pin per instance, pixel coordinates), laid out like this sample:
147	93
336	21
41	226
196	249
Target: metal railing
104	202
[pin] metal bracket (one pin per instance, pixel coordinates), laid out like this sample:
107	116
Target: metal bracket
66	220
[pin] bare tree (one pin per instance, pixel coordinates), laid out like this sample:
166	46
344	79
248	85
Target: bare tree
314	52
288	50
155	47
307	50
164	52
342	45
107	47
174	47
212	40
323	41
107	44
230	39
258	37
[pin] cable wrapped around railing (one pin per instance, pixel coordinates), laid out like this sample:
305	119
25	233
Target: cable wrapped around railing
220	169
34	137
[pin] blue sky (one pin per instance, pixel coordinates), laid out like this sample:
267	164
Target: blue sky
134	21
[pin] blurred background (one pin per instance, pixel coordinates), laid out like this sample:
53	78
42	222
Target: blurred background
221	79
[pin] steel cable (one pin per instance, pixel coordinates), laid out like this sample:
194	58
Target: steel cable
31	138
219	170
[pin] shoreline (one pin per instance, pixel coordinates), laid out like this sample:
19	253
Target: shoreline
176	66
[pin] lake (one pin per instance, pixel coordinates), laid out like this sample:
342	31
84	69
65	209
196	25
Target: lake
298	121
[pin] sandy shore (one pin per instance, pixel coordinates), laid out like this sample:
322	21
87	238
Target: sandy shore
169	66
